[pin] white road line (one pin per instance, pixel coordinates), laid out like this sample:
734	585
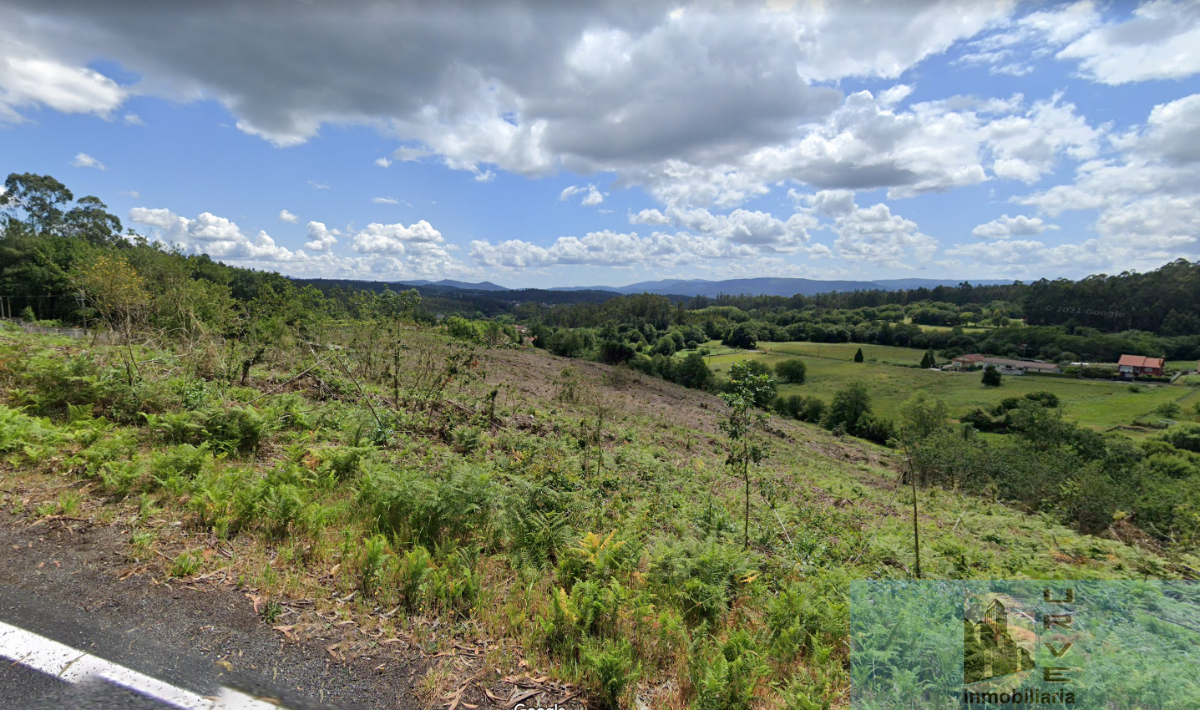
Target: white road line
71	665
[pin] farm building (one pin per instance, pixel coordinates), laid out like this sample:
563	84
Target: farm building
967	362
1019	367
1130	365
975	361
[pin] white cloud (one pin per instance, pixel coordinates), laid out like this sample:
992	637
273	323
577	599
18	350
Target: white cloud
285	216
591	195
1005	227
318	185
396	238
512	87
649	216
872	234
1010	48
420	252
132	193
385	200
83	160
607	248
1158	42
756	229
29	79
216	236
320	238
133	119
383	162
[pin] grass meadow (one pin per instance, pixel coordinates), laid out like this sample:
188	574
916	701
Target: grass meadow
1098	404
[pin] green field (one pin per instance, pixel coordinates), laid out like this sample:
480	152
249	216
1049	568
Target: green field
1180	365
1101	405
883	354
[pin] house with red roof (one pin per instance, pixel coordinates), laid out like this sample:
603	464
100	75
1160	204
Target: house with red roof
1132	365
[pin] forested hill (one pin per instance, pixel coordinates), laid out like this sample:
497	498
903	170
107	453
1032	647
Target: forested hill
470	299
45	234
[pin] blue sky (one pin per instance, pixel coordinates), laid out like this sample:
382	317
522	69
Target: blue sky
551	144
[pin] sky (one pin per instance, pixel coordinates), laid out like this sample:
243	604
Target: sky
544	144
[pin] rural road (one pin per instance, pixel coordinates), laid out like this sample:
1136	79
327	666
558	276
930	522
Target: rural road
69	585
60	657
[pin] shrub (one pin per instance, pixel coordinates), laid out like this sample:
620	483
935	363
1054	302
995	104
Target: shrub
741	336
372	564
342	463
723	677
849	405
176	467
789	406
235	429
693	372
610	669
701	578
991	377
186	564
414	507
18	430
1184	436
792	370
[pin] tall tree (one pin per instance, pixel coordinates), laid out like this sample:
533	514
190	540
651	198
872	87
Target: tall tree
39	197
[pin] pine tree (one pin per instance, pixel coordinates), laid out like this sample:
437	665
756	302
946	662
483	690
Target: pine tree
858	356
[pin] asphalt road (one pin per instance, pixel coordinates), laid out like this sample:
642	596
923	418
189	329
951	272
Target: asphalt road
127	653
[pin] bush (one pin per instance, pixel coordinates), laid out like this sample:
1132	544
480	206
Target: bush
414	507
234	429
741	336
723	677
693	372
849	404
610	669
991	377
1184	436
791	370
701	578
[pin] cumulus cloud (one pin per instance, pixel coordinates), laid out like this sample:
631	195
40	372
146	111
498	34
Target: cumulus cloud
509	86
396	238
383	162
285	216
608	248
649	216
29	78
388	252
871	234
1005	227
320	238
83	160
133	119
216	236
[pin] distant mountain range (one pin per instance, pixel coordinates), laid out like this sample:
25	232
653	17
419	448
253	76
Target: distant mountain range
736	287
481	286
